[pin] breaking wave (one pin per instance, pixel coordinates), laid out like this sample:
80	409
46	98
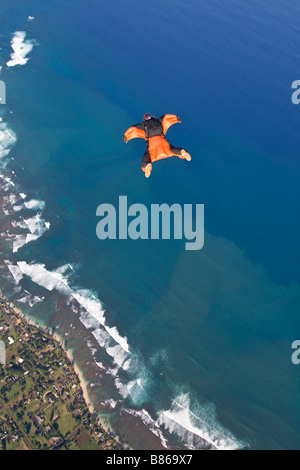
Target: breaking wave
7	139
196	429
92	313
21	47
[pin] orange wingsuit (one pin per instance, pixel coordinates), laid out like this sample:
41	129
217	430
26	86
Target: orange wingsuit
153	131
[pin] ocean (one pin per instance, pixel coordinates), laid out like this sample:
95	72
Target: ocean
179	349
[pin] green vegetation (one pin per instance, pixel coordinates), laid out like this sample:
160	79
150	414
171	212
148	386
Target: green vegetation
41	400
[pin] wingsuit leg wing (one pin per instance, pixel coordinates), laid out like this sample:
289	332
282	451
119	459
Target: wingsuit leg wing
146	163
181	153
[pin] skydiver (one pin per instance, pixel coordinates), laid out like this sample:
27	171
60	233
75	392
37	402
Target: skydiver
153	131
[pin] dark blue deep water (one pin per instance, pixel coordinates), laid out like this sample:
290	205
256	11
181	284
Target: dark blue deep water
192	345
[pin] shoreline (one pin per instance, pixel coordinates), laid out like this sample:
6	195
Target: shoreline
78	372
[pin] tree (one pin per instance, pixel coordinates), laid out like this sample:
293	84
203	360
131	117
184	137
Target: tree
27	427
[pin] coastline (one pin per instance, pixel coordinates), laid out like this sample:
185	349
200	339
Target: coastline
76	369
78	372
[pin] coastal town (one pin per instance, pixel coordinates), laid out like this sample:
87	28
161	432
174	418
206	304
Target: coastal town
42	405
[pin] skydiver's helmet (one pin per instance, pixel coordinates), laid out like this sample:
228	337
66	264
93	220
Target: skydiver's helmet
147	116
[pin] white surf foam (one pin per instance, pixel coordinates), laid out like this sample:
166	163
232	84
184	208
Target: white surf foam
120	351
111	403
36	225
137	388
13	198
149	422
113	332
21	47
118	354
15	271
92	313
35	204
48	279
18	242
10	200
18	223
30	299
90	303
101	366
7	139
181	421
121	387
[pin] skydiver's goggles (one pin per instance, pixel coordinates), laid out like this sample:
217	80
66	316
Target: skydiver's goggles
147	116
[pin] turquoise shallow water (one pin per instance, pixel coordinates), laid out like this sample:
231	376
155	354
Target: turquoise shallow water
194	344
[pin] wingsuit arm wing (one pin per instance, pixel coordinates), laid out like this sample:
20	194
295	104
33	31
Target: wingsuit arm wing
168	120
136	131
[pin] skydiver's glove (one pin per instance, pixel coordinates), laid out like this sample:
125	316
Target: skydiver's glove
179	119
125	139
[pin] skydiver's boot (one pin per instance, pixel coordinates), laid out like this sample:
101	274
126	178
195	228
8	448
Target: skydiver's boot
148	170
186	155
